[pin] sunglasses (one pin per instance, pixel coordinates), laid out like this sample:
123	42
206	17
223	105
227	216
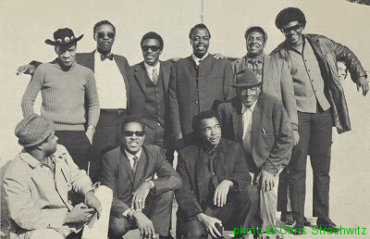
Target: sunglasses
109	35
131	133
292	28
152	48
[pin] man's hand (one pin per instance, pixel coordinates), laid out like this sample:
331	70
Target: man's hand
210	224
362	83
90	133
218	56
92	201
26	69
268	181
296	137
139	197
220	196
144	224
79	214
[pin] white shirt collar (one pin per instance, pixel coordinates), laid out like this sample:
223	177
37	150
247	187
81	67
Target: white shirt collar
149	68
130	156
197	59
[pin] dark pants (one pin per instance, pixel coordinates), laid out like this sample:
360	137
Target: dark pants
315	132
241	209
108	135
157	208
77	144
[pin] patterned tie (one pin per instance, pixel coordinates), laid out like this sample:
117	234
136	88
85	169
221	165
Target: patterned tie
136	159
154	76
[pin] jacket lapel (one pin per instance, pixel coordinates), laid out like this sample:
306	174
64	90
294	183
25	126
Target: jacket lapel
140	169
165	68
199	172
237	120
90	61
140	74
127	166
121	66
256	119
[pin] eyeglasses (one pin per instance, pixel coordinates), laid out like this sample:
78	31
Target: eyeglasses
152	48
109	35
131	133
292	28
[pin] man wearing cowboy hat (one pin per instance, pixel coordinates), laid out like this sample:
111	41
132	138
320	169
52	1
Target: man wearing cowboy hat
259	122
38	182
69	96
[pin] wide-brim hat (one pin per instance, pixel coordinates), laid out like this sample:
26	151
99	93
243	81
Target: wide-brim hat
33	130
246	78
63	37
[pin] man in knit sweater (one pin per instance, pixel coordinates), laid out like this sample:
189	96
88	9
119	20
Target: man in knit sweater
69	97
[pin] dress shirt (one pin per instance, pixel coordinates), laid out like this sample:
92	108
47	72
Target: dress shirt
153	71
110	84
247	118
131	156
197	59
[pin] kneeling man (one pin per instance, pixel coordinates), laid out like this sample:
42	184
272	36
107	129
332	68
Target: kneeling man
38	182
259	122
139	200
216	190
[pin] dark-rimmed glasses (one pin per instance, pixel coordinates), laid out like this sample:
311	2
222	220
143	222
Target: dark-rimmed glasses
286	30
152	48
131	133
109	35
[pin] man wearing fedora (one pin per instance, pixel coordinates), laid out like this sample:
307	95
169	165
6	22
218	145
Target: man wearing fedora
39	181
260	123
111	74
69	96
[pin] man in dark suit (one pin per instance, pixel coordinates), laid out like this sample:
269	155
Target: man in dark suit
139	200
149	92
259	122
216	188
200	82
111	74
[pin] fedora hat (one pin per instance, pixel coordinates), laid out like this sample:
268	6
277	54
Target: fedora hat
246	78
63	37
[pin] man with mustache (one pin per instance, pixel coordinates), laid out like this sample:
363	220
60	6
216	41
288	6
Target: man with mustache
200	83
140	200
111	74
320	103
216	191
149	92
260	123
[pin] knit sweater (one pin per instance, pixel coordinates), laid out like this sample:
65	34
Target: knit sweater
68	95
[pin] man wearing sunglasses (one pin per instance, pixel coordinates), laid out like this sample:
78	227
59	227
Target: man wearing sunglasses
200	83
149	92
320	103
139	199
111	74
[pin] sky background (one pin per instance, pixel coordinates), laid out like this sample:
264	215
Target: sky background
26	24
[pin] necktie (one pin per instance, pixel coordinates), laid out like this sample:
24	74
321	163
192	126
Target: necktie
104	57
136	159
154	76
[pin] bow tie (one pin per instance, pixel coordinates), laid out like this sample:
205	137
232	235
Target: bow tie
104	57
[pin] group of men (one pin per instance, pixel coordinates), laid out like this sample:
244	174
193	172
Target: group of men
237	126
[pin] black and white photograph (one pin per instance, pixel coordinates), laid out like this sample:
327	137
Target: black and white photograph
197	119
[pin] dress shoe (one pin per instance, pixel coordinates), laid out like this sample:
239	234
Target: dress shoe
287	218
306	223
327	224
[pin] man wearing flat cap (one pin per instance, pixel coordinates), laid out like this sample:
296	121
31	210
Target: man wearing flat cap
69	96
321	104
38	183
260	123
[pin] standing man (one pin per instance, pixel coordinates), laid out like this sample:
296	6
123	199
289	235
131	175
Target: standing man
69	97
200	83
274	74
260	123
216	190
39	181
149	92
320	103
139	199
111	74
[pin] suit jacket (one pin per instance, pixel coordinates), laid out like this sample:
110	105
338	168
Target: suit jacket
37	198
272	136
277	81
214	85
88	60
116	173
138	89
229	164
328	52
